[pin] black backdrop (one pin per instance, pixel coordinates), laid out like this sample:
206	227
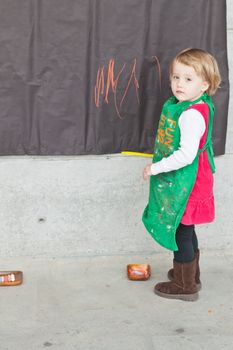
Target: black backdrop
90	76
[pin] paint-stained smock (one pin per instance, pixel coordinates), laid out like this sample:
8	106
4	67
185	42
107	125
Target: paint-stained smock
175	196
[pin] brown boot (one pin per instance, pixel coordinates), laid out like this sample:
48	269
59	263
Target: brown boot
170	273
183	285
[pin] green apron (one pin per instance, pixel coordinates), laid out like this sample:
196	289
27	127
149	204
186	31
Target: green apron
169	192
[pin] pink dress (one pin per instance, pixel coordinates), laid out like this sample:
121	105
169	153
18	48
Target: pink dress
200	207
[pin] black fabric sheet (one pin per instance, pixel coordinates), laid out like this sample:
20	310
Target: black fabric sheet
90	76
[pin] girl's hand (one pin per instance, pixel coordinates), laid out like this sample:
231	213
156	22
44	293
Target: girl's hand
147	172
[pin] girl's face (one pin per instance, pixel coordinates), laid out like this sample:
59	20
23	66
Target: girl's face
186	85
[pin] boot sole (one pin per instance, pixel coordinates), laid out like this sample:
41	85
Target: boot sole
199	286
184	297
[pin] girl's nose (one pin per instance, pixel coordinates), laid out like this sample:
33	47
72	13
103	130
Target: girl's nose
179	83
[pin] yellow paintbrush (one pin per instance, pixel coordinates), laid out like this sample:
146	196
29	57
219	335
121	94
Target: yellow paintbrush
137	154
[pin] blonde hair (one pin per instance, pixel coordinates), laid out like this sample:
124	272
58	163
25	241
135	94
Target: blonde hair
204	65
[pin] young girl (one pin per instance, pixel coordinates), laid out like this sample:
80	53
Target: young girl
181	176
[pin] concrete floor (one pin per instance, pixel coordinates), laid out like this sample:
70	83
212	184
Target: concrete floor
88	303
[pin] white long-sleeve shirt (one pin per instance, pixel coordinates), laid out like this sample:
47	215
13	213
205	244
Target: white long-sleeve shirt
192	127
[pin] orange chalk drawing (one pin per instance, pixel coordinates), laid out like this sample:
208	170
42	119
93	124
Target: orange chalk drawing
135	82
108	80
99	87
158	70
112	83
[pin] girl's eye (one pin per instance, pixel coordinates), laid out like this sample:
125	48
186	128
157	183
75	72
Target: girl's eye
175	77
188	79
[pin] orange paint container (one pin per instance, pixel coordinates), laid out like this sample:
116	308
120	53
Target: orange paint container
138	272
11	278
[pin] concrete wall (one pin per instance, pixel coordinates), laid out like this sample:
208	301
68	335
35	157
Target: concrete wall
90	205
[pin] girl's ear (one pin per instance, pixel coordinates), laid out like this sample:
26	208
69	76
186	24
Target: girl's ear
205	86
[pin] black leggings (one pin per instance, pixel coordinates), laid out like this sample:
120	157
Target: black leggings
187	243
